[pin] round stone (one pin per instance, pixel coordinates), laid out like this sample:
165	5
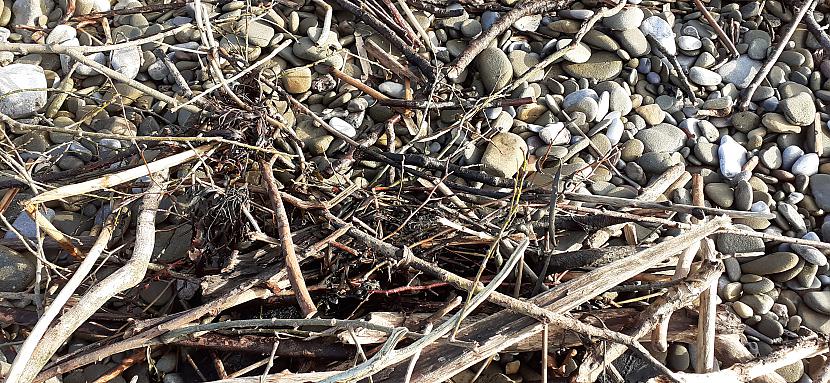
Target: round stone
720	194
770	328
677	357
628	18
760	303
505	155
494	68
16	271
742	309
662	138
818	301
799	109
297	80
806	165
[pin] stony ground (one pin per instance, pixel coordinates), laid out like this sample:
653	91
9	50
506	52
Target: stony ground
633	101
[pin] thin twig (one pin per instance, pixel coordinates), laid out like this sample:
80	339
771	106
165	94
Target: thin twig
295	274
746	98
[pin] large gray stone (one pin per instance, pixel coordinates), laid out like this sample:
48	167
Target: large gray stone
16	271
16	78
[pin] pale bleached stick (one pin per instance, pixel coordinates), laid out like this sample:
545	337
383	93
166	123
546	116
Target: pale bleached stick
440	361
676	297
661	183
26	366
108	181
707	321
66	292
119	178
684	263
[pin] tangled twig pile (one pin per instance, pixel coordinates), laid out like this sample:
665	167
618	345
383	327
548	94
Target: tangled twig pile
414	191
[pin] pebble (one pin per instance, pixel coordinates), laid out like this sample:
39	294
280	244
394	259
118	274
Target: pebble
760	303
799	109
17	271
677	357
703	76
494	68
661	31
736	243
777	123
600	67
661	138
810	254
720	194
731	157
792	372
555	134
742	309
389	88
298	80
740	71
689	43
818	301
651	113
771	264
820	189
790	155
628	18
13	79
806	165
770	328
504	155
528	23
813	320
342	126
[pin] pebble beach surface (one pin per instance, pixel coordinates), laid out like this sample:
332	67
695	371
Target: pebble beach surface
608	117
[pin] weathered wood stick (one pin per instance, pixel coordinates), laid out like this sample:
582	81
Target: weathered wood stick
504	329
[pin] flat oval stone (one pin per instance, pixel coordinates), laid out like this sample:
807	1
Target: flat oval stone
601	66
703	76
810	254
770	328
760	303
771	264
818	301
764	285
16	271
814	320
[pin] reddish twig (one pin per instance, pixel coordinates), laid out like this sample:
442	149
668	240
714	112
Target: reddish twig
295	275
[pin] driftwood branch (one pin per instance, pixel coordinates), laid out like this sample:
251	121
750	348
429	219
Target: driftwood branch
25	367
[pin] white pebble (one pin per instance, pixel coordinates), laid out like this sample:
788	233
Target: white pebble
392	89
603	105
614	131
342	126
806	165
661	31
759	207
732	157
555	134
492	113
790	154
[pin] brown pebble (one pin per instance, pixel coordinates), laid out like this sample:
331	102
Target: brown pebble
750	164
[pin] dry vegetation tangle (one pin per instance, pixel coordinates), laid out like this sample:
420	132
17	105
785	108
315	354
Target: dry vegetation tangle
286	191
